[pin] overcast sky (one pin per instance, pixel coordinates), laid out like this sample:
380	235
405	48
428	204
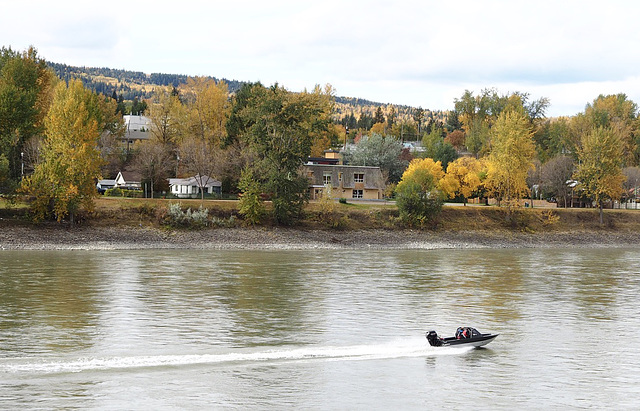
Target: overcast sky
419	53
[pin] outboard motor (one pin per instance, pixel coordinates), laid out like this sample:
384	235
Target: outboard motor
433	339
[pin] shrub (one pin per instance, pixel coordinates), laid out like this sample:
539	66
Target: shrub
178	218
120	192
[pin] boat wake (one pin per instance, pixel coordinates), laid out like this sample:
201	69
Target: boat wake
241	358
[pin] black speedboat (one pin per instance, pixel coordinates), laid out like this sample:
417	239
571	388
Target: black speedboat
465	336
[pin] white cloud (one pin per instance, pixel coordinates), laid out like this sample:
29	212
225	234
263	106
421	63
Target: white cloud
406	52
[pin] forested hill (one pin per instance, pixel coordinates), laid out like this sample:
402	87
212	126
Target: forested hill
132	84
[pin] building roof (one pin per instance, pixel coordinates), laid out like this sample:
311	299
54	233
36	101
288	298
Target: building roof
137	127
107	182
204	181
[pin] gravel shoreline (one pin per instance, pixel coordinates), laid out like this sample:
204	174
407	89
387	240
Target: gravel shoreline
129	238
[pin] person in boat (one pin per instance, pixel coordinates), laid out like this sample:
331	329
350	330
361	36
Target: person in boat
462	332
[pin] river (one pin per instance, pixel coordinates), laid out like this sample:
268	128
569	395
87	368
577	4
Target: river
207	329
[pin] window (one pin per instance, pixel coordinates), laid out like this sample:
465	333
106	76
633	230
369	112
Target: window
357	194
340	176
326	179
358	178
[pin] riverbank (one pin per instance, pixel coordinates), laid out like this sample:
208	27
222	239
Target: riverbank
129	238
124	224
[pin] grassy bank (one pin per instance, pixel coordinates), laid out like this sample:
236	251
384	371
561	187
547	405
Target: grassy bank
152	213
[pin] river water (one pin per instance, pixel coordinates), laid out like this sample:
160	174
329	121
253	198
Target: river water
169	329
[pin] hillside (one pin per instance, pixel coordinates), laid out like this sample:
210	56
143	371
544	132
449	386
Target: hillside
136	84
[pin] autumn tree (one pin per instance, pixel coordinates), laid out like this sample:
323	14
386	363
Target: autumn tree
167	118
154	163
378	128
64	181
251	205
456	139
418	117
478	114
553	138
404	130
26	92
379	116
620	115
463	178
599	170
207	109
417	195
435	147
510	158
555	174
202	158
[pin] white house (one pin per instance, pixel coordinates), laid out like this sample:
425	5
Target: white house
104	185
137	127
190	187
128	180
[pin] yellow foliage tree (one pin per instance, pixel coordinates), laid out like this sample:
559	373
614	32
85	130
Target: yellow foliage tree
434	168
208	108
379	128
599	171
166	114
512	152
64	181
417	194
462	178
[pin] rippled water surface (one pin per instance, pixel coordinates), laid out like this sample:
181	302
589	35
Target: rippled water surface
168	329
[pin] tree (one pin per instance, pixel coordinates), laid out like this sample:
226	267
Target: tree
511	157
207	109
166	114
404	130
379	116
599	171
378	151
479	113
251	205
456	139
435	147
391	118
463	178
556	173
64	181
417	195
552	139
418	116
279	127
154	163
26	92
202	158
619	114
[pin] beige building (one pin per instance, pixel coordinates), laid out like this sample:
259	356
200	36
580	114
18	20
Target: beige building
350	182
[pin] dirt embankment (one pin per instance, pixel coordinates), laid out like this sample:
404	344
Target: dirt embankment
135	226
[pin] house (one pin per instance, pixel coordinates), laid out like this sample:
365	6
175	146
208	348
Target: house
104	185
128	180
355	182
190	187
137	128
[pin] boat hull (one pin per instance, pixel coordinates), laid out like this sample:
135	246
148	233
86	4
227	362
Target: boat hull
478	341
